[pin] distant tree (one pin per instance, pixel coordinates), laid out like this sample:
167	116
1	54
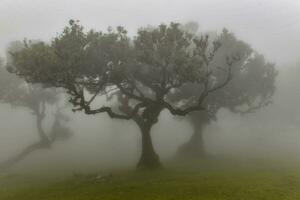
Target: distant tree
251	88
158	61
35	98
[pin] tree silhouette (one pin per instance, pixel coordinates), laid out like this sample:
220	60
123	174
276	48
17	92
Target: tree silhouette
158	61
251	88
35	98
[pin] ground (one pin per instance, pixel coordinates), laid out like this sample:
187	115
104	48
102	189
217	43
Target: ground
204	180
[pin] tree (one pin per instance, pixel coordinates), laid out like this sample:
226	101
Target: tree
251	88
35	98
146	69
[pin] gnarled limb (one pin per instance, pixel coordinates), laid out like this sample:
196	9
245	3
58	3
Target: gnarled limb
45	141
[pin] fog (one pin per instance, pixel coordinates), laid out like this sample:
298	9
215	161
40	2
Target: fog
100	142
272	27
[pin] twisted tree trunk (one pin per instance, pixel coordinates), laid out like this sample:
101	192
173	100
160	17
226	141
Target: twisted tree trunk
24	153
44	143
194	148
42	135
149	158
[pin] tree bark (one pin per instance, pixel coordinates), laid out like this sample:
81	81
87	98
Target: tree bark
149	159
194	148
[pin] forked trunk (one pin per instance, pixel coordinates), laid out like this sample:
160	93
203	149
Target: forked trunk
149	159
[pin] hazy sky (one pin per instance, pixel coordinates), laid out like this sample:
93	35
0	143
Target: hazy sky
270	26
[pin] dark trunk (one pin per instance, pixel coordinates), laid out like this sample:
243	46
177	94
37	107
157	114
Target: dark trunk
149	159
43	137
28	150
194	148
44	143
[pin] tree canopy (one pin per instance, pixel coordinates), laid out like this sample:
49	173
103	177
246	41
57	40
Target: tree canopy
158	59
251	87
252	84
35	98
146	69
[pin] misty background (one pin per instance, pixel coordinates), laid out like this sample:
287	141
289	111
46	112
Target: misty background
271	27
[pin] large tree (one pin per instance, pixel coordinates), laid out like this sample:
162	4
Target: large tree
251	88
35	99
158	61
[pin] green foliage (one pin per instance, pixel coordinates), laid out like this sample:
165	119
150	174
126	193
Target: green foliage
8	84
251	87
157	60
253	82
15	90
148	69
167	54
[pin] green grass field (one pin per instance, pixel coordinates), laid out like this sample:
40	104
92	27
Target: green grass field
205	180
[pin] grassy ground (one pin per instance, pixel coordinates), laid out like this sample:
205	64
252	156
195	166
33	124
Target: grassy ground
206	180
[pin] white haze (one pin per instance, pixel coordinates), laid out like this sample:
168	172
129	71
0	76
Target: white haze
271	26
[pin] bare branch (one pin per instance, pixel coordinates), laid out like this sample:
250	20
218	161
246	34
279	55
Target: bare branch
182	112
112	114
206	91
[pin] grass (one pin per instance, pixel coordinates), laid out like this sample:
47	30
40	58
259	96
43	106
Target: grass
205	180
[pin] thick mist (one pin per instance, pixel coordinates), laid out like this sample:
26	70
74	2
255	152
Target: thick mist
98	142
102	143
270	26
